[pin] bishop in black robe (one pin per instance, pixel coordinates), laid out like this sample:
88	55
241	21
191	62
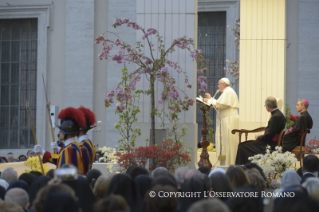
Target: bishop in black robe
247	149
292	137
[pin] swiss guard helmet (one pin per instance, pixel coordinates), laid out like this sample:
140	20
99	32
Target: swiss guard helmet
90	120
71	120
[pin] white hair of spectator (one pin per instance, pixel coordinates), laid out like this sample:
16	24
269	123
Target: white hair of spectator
190	173
9	175
19	196
4	184
221	170
312	186
180	174
158	169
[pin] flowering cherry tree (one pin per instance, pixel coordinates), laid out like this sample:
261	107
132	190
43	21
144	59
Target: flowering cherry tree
233	67
153	69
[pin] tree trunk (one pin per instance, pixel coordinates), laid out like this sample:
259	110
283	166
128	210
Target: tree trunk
152	141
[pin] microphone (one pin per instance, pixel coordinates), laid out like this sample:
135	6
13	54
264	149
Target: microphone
216	93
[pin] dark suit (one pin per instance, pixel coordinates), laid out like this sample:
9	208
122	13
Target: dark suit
305	177
247	149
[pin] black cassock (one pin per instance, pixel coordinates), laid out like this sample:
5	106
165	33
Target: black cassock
292	138
247	149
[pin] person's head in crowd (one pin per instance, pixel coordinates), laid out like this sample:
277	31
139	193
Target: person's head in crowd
219	182
142	184
310	164
2	193
92	176
159	171
204	179
19	196
36	185
164	180
10	207
19	184
111	203
256	179
218	169
312	186
237	176
36	173
190	173
83	191
199	184
9	175
61	203
50	173
122	184
270	103
30	153
299	172
44	192
180	176
204	170
299	202
244	203
255	166
22	158
209	205
3	160
129	169
290	178
4	183
158	203
10	157
28	178
136	171
101	185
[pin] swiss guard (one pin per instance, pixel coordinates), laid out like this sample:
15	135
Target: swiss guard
72	120
87	147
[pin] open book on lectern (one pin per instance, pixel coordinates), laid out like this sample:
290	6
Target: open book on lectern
201	100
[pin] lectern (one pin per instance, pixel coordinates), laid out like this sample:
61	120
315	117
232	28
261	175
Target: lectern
204	156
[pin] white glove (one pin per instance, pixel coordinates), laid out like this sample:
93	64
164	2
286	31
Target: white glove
54	145
38	149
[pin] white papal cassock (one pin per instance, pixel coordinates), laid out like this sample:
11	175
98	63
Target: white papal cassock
227	107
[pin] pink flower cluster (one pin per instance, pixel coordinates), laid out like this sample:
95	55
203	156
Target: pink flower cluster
203	85
149	32
182	42
196	54
129	23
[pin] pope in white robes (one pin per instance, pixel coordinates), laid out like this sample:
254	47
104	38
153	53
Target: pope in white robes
227	119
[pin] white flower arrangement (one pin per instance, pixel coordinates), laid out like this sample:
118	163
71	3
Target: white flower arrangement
274	164
108	155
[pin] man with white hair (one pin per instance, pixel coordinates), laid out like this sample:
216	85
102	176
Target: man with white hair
19	196
227	119
180	176
9	175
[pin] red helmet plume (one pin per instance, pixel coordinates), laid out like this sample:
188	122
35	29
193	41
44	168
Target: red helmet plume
73	113
89	116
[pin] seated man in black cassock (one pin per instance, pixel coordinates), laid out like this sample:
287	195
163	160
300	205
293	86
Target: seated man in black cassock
276	123
302	124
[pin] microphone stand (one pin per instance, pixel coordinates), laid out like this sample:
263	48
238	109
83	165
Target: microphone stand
219	157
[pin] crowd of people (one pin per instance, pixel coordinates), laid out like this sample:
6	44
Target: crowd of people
138	190
11	159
